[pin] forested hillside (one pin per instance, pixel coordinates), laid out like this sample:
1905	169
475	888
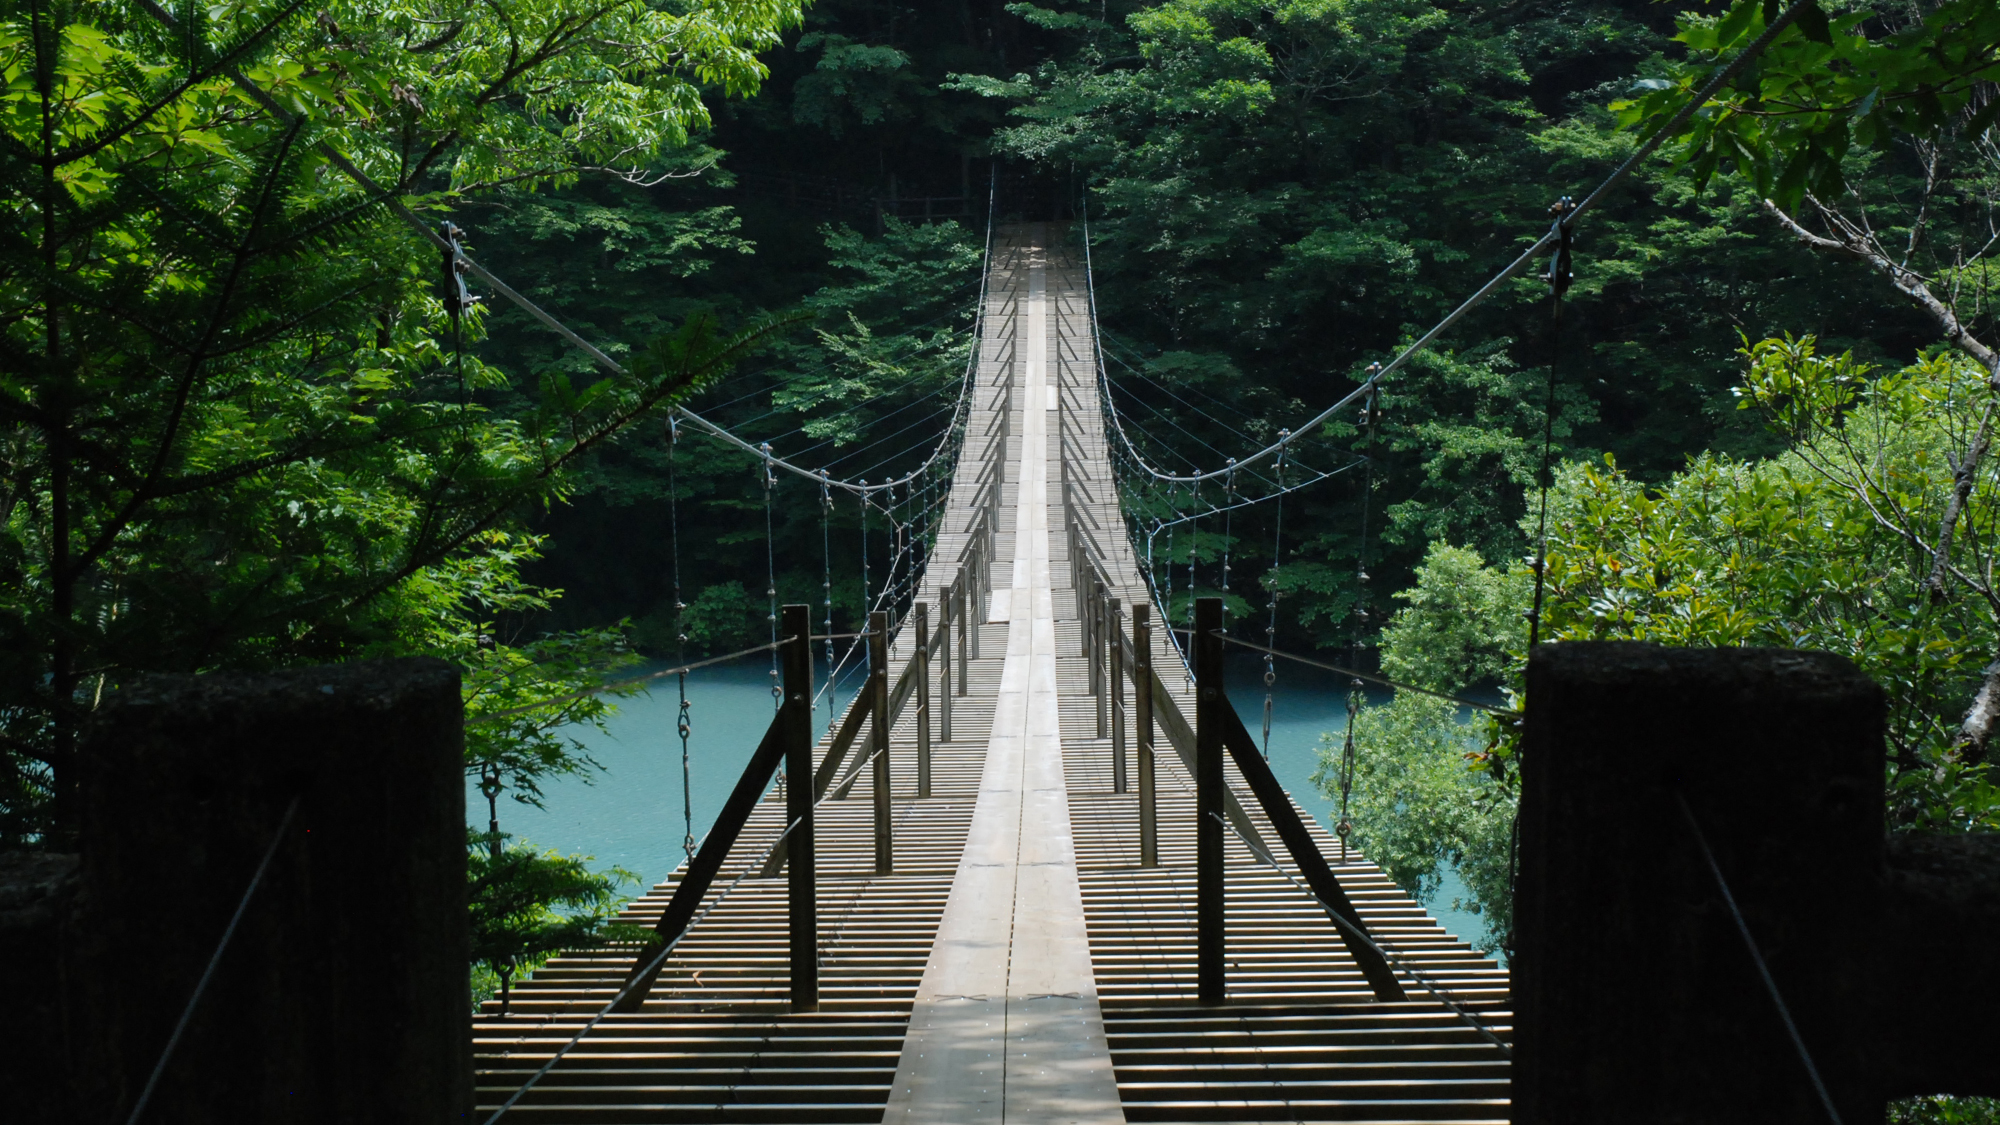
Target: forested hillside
1278	194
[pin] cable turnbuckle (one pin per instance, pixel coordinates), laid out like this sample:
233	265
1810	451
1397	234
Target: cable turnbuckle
1560	273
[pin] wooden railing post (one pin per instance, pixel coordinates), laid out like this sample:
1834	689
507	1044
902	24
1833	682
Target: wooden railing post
948	606
975	610
878	687
967	648
1142	732
800	887
1208	789
1100	635
1116	655
923	659
1077	584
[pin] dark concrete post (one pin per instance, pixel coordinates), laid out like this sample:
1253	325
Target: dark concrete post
801	890
879	724
1937	983
343	994
1208	802
38	901
1142	732
1637	998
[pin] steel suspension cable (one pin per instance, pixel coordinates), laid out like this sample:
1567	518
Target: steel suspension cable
1228	523
771	576
1559	277
826	584
681	722
1271	580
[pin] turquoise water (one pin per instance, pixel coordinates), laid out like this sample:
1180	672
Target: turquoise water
630	814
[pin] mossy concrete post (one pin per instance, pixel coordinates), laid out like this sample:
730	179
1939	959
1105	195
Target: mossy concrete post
343	994
1636	996
38	907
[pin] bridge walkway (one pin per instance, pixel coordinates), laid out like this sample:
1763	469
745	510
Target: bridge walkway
1112	996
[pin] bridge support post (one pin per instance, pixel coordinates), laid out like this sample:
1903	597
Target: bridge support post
1142	732
947	605
923	659
801	890
1082	589
968	629
1637	995
975	608
1100	648
1208	803
342	993
879	723
1116	655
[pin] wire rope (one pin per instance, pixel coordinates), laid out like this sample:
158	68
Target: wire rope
1559	277
1228	523
826	585
867	591
1369	409
891	436
682	721
1757	955
771	576
214	959
1271	582
828	365
1171	420
878	419
847	407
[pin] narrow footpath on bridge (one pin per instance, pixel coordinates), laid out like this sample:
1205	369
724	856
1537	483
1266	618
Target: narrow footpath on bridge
1007	892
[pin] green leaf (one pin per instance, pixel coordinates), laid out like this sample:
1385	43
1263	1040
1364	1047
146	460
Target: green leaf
1735	24
1791	186
1812	23
1982	120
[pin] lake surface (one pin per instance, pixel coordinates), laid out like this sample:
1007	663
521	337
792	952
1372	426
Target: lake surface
630	814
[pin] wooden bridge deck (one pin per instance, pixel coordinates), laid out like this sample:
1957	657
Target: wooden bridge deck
1301	1039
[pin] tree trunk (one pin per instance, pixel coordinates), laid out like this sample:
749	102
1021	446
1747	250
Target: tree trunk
1853	240
1976	729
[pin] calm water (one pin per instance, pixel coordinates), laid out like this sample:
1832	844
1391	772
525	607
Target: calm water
630	815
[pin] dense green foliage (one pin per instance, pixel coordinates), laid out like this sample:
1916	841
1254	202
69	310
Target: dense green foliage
1283	191
243	430
237	431
527	904
1821	547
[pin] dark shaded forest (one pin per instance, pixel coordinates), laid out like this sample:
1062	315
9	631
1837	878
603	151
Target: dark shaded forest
1252	257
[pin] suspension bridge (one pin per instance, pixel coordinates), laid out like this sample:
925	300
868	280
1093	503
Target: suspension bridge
1033	874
